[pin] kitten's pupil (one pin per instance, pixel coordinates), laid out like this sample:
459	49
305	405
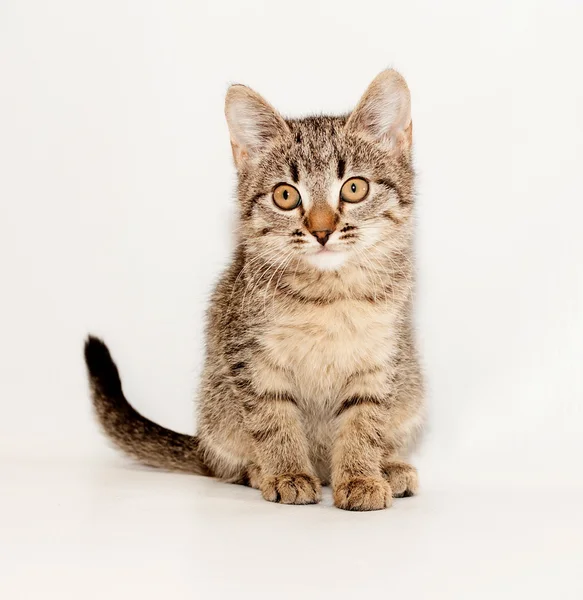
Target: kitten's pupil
353	188
285	194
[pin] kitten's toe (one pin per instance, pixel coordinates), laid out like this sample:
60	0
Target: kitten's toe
402	478
291	488
363	493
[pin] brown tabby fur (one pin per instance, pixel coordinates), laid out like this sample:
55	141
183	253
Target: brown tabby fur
311	375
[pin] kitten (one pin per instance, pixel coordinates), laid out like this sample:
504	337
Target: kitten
311	375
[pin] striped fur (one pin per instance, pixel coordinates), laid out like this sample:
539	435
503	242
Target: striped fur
311	374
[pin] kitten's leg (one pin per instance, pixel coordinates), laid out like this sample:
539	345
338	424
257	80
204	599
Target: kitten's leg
251	477
280	449
357	455
402	478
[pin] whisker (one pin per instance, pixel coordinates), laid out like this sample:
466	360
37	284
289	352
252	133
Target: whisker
279	280
255	282
248	264
281	263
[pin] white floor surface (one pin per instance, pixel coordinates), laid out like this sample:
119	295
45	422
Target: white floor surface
102	528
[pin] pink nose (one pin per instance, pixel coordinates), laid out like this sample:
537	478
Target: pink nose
322	235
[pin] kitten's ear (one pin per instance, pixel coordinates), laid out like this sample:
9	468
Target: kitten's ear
252	121
384	112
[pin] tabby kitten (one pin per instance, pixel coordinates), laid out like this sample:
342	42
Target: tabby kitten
311	375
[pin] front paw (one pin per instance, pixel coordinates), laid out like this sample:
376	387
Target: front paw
291	488
402	478
363	493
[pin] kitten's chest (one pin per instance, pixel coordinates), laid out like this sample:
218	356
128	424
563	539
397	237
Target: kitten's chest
322	346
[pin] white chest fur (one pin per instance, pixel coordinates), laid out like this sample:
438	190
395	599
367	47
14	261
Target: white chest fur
322	346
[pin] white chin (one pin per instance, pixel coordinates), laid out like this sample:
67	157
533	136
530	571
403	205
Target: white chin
327	261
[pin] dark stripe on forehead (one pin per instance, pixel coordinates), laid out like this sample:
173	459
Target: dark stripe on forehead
294	172
298	138
341	168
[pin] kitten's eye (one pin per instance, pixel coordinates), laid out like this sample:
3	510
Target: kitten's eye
286	196
354	190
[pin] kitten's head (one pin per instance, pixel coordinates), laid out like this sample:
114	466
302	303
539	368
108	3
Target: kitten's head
324	191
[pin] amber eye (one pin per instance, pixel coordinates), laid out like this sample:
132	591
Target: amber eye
286	196
354	190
